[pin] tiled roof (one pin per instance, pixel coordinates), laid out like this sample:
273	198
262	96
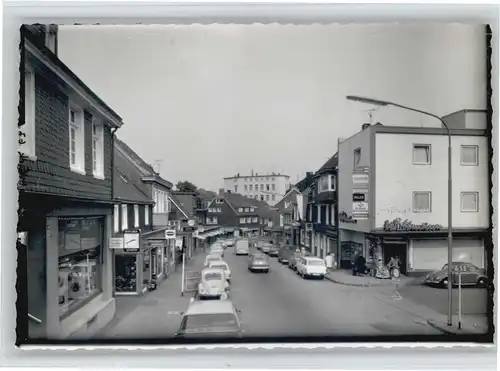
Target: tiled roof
237	200
305	183
127	183
331	163
178	204
186	202
205	195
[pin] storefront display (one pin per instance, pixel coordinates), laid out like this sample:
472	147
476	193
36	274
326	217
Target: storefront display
126	273
80	261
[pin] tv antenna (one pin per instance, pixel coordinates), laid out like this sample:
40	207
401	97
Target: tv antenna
370	113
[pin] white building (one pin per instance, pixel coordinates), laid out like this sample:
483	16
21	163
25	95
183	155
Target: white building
265	187
393	189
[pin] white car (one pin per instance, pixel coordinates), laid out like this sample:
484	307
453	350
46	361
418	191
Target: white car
217	248
212	257
310	266
242	247
213	284
222	265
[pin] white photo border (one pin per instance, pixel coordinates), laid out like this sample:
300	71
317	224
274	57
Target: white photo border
238	356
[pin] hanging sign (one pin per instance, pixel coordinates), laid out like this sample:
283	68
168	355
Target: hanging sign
116	243
170	234
131	241
360	210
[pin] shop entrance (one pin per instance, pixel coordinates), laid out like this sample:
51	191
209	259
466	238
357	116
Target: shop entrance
397	250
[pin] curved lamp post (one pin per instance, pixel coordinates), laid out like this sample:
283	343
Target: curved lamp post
383	103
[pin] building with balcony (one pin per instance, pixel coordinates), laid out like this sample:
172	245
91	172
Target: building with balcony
65	196
393	193
262	187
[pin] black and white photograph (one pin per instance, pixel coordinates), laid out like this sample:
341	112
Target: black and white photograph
225	183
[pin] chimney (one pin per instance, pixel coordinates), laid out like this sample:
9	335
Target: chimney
221	191
309	174
364	126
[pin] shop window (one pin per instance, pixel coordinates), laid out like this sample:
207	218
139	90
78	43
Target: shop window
80	262
126	273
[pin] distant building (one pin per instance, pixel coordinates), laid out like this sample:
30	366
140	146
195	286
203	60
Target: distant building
393	193
263	187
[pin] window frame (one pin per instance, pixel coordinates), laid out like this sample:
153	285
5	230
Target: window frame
136	216
419	145
331	183
79	127
357	151
462	194
413	202
28	149
462	147
124	216
97	149
243	220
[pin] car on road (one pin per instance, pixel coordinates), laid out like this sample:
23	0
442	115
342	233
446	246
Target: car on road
258	263
285	252
311	266
273	251
217	248
292	261
470	275
222	265
212	257
265	247
209	319
242	247
230	242
213	284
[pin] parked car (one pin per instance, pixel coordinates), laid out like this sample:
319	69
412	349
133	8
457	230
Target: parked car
230	242
284	253
212	257
273	251
309	266
223	265
209	319
258	263
292	261
242	247
471	275
213	284
265	247
217	248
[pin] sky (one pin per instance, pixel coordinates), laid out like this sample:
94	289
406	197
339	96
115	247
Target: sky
210	101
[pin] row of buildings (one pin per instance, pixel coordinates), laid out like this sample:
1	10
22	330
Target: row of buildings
95	220
385	191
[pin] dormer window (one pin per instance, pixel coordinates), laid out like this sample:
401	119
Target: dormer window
219	201
326	183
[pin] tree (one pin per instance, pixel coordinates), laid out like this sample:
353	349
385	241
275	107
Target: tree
186	186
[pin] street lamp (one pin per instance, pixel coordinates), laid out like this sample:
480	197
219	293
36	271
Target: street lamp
384	103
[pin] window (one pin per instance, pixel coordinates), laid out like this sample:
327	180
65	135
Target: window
251	188
166	203
255	219
116	219
155	199
326	183
249	219
310	218
318	220
287	204
240	209
422	202
357	157
243	220
76	140
327	214
235	189
252	209
97	150
80	262
421	154
469	201
28	148
262	187
469	155
273	197
267	187
136	216
124	217
219	210
332	219
246	188
219	201
272	179
212	220
126	273
267	197
247	209
262	197
273	186
146	215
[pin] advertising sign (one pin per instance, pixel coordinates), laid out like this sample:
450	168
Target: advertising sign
131	241
170	234
116	243
359	197
360	210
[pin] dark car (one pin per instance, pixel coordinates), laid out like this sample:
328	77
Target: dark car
285	253
470	275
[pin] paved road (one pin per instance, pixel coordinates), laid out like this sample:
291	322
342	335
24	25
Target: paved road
474	300
283	304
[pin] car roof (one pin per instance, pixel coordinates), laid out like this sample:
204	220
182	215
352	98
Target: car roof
218	262
210	307
211	270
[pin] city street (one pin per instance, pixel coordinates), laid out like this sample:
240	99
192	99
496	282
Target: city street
279	303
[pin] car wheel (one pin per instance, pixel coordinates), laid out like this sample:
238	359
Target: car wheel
481	282
444	282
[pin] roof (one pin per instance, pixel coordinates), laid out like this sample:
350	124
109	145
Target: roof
210	307
127	183
178	205
331	163
238	176
145	168
28	32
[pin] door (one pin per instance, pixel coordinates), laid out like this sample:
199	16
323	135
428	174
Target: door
396	250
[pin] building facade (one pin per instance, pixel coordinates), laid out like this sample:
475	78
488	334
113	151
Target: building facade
393	193
66	195
263	187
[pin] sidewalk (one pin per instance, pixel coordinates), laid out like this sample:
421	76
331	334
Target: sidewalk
345	277
471	324
156	313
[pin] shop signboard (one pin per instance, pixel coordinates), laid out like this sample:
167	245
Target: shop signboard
170	234
116	243
360	210
359	197
131	241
